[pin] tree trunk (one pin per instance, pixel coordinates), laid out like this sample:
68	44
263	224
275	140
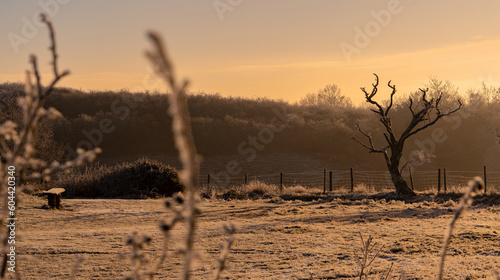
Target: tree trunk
399	182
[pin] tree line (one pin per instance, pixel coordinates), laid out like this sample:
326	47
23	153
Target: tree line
321	125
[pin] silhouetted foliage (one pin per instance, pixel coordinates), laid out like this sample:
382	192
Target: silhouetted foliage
138	179
329	96
138	125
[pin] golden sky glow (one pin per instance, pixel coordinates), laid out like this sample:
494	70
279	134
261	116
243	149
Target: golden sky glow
278	49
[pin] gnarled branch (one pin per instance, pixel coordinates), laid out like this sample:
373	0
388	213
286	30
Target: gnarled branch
420	116
371	148
369	96
392	95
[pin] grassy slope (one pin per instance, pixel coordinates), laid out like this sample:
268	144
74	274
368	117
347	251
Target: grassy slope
277	239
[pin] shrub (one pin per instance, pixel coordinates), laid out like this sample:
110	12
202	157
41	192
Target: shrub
138	179
257	189
253	190
295	190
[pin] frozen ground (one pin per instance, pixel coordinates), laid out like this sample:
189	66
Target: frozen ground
302	237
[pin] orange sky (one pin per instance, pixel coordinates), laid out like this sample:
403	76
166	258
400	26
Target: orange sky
278	49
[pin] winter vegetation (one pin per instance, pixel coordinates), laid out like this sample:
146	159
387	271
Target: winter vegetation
290	233
466	140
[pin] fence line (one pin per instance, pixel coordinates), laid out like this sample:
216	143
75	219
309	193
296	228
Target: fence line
441	179
327	180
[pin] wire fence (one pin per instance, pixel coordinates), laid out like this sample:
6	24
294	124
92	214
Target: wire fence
437	180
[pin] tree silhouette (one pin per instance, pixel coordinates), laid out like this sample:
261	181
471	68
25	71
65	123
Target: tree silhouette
425	113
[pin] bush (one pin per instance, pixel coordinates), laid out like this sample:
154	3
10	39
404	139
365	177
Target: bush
139	179
253	190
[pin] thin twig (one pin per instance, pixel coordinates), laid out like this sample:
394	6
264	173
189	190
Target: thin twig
230	230
52	48
474	186
384	275
365	260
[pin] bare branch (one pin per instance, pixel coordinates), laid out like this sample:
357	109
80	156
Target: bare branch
52	48
437	103
410	107
53	51
408	163
370	140
392	95
387	138
36	73
424	93
362	144
369	96
415	121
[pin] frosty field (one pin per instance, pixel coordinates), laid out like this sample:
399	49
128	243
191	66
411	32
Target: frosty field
293	237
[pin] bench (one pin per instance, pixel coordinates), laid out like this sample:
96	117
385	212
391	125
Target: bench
54	196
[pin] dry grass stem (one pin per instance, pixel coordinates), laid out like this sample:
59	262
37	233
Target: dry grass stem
138	258
184	142
166	227
230	230
474	186
385	276
369	253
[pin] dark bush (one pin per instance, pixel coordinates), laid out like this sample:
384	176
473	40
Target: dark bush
139	179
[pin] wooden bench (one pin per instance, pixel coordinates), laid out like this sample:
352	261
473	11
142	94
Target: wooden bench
54	196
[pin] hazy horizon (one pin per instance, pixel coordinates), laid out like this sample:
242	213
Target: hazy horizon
279	50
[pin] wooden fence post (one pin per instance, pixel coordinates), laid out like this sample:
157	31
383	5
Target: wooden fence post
439	180
324	181
246	179
331	181
208	181
444	178
281	182
352	180
484	178
411	179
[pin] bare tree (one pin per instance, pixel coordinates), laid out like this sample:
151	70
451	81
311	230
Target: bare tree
423	116
329	96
